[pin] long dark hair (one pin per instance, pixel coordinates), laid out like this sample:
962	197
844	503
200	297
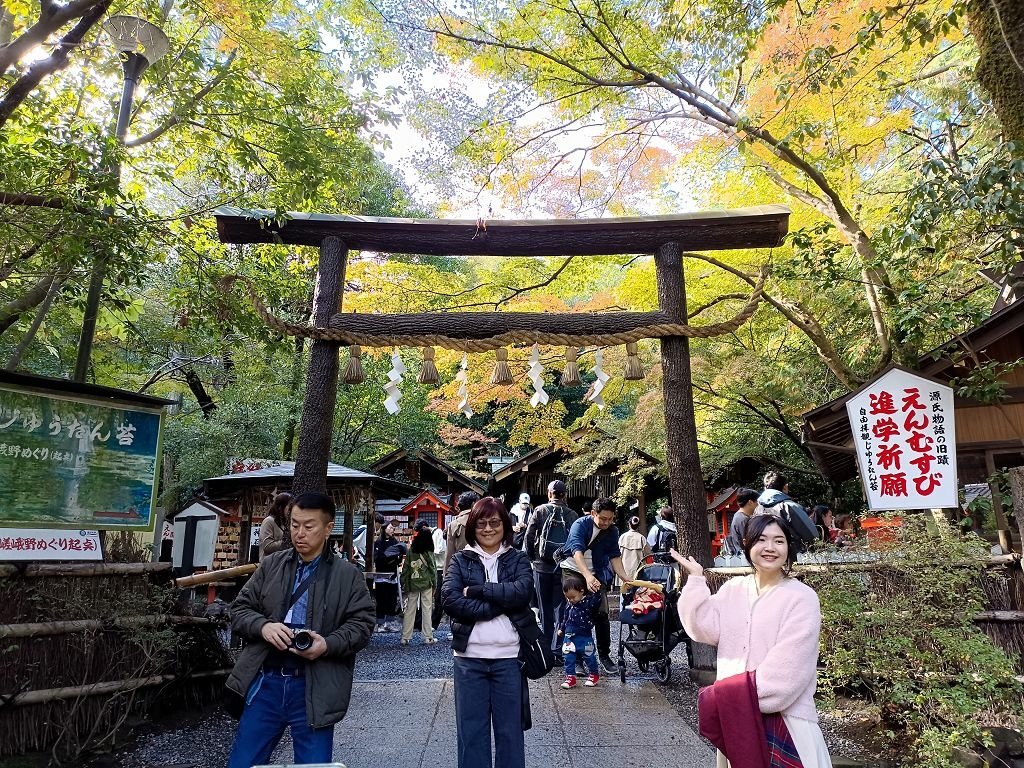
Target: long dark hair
422	541
278	508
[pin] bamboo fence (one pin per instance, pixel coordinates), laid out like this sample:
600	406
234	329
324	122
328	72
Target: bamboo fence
89	648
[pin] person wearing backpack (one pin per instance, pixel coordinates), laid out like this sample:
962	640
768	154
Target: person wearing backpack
546	535
776	501
418	579
663	536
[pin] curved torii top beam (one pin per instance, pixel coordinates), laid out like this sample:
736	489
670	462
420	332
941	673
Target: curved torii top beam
758	227
762	226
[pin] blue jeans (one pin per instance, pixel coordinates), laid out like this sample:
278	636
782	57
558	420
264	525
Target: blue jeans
274	703
488	694
579	644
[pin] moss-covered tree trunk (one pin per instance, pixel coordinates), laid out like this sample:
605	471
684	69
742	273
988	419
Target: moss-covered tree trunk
998	30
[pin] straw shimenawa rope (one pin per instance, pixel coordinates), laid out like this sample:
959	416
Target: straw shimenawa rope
338	334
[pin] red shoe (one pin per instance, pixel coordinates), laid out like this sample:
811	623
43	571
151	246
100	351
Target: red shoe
592	680
570	681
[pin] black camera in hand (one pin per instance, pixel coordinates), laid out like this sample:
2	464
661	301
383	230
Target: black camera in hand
302	640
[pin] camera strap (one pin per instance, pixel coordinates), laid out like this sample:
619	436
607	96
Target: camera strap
301	589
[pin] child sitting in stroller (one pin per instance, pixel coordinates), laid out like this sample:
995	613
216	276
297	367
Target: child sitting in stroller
577	628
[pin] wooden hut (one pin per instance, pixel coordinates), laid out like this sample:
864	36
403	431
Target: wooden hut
424	469
532	472
246	497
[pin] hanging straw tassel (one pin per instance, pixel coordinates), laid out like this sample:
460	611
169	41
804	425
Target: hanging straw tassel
502	373
571	374
354	373
428	373
634	371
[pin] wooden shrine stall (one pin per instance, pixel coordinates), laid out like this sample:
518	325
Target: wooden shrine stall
425	470
989	437
532	472
665	238
247	496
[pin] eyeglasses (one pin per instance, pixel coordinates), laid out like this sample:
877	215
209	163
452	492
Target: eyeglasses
489	522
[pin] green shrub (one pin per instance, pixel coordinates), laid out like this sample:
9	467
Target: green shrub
902	635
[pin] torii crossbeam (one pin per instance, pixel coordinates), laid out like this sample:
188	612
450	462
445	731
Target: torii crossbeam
666	237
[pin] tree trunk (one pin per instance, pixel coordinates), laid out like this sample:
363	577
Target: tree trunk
30	334
317	423
288	451
998	30
195	384
686	484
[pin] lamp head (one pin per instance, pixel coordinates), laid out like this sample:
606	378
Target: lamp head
134	36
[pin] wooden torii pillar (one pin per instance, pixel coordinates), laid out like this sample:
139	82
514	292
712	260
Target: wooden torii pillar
665	237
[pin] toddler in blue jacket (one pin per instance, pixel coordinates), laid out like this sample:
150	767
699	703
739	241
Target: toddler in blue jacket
577	628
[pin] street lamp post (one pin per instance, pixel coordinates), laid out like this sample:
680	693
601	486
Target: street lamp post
138	44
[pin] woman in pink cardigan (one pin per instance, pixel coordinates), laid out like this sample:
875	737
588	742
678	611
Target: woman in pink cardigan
768	623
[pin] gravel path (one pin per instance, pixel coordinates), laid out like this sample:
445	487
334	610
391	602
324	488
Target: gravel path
204	739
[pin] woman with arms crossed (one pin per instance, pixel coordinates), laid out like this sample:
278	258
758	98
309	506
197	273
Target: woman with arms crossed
766	623
486	593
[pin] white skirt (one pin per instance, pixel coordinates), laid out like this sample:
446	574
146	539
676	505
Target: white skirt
809	742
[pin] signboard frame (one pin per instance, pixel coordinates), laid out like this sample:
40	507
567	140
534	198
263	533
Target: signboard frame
65	473
875	419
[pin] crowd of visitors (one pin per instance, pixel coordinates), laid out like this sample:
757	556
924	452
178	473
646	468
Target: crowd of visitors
535	575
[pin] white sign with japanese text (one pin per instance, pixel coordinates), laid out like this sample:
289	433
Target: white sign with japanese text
904	433
49	544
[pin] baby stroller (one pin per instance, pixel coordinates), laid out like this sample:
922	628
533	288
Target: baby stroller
650	637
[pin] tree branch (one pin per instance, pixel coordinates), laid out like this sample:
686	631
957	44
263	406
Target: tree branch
180	112
92	12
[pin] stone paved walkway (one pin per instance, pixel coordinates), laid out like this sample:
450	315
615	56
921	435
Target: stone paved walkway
411	724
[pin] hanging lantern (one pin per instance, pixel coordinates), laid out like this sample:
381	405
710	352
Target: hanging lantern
354	373
634	371
428	373
571	374
502	373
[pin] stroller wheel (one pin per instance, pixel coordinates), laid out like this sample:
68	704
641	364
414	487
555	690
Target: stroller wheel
622	671
664	670
644	665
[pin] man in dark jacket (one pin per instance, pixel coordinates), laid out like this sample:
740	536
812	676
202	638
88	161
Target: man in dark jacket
305	613
547	579
776	501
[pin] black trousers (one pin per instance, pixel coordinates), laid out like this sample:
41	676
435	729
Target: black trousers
603	626
437	613
550	600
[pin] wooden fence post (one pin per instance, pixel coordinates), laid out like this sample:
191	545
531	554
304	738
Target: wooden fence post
1017	491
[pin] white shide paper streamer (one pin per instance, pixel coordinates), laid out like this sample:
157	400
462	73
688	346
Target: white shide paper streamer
536	375
394	382
462	377
602	379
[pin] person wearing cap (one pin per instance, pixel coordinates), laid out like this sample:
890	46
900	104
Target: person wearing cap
547	579
520	514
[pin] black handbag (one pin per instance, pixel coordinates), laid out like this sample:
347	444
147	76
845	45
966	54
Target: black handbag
536	658
535	655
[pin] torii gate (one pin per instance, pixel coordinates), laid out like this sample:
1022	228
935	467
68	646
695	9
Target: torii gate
666	237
